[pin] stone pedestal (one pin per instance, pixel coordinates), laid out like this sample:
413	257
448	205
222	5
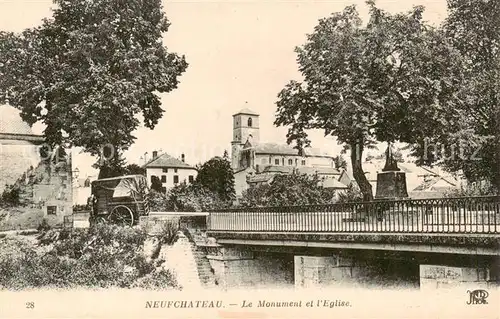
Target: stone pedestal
391	185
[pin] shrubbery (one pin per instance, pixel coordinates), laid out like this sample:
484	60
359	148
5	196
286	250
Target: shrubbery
288	190
186	198
101	256
10	196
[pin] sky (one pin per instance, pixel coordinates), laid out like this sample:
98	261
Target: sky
240	54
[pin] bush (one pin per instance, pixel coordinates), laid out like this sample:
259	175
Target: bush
168	232
10	196
352	194
472	189
102	256
43	226
288	190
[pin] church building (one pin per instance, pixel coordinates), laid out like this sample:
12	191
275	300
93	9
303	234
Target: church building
254	161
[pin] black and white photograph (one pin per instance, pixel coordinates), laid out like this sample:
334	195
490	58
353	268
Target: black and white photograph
249	158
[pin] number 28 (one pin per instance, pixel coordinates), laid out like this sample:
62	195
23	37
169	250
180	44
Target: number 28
30	305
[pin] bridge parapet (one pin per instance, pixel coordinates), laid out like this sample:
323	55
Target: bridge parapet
447	215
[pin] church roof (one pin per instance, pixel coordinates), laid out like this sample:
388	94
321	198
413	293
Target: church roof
285	149
320	170
246	111
11	121
167	161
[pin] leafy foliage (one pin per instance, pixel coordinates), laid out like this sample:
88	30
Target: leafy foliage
102	256
193	198
156	184
352	194
340	162
288	190
134	169
89	70
216	175
389	81
186	198
11	196
470	141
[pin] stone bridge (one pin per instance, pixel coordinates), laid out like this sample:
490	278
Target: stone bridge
407	243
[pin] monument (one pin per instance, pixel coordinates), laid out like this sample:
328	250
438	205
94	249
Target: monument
391	182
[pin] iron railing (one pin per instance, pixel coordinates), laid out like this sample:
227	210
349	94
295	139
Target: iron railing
444	215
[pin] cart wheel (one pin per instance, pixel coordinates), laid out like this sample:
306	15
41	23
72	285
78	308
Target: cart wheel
121	215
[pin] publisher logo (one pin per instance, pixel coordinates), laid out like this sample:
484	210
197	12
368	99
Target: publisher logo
477	297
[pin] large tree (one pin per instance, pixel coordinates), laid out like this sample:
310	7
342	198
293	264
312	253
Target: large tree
472	144
90	72
217	176
390	80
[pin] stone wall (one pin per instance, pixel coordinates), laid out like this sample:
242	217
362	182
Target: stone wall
438	276
45	192
240	268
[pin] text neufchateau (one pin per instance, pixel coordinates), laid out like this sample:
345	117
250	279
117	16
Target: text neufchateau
260	303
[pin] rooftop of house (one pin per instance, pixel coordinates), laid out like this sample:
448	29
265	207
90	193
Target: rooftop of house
167	161
301	170
285	149
333	183
260	178
11	121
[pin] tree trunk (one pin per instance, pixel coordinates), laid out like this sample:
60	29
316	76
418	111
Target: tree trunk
358	173
496	169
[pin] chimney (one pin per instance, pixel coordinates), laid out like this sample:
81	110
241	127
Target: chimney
155	154
183	158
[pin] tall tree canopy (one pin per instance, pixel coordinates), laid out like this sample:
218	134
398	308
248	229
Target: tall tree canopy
472	144
91	71
217	176
390	80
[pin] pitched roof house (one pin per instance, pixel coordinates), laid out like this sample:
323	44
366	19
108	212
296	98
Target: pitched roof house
169	170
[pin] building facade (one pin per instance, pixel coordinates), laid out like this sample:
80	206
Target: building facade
170	171
38	179
250	157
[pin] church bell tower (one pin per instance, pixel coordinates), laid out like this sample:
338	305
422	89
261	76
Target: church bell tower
245	128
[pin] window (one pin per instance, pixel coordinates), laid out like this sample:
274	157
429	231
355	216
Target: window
164	189
277	161
290	162
249	122
296	162
176	179
303	162
164	170
269	160
164	178
175	170
51	210
152	179
191	178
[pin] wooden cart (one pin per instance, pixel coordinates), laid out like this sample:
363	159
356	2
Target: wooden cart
120	200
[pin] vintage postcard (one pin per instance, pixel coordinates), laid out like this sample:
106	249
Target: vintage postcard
249	159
